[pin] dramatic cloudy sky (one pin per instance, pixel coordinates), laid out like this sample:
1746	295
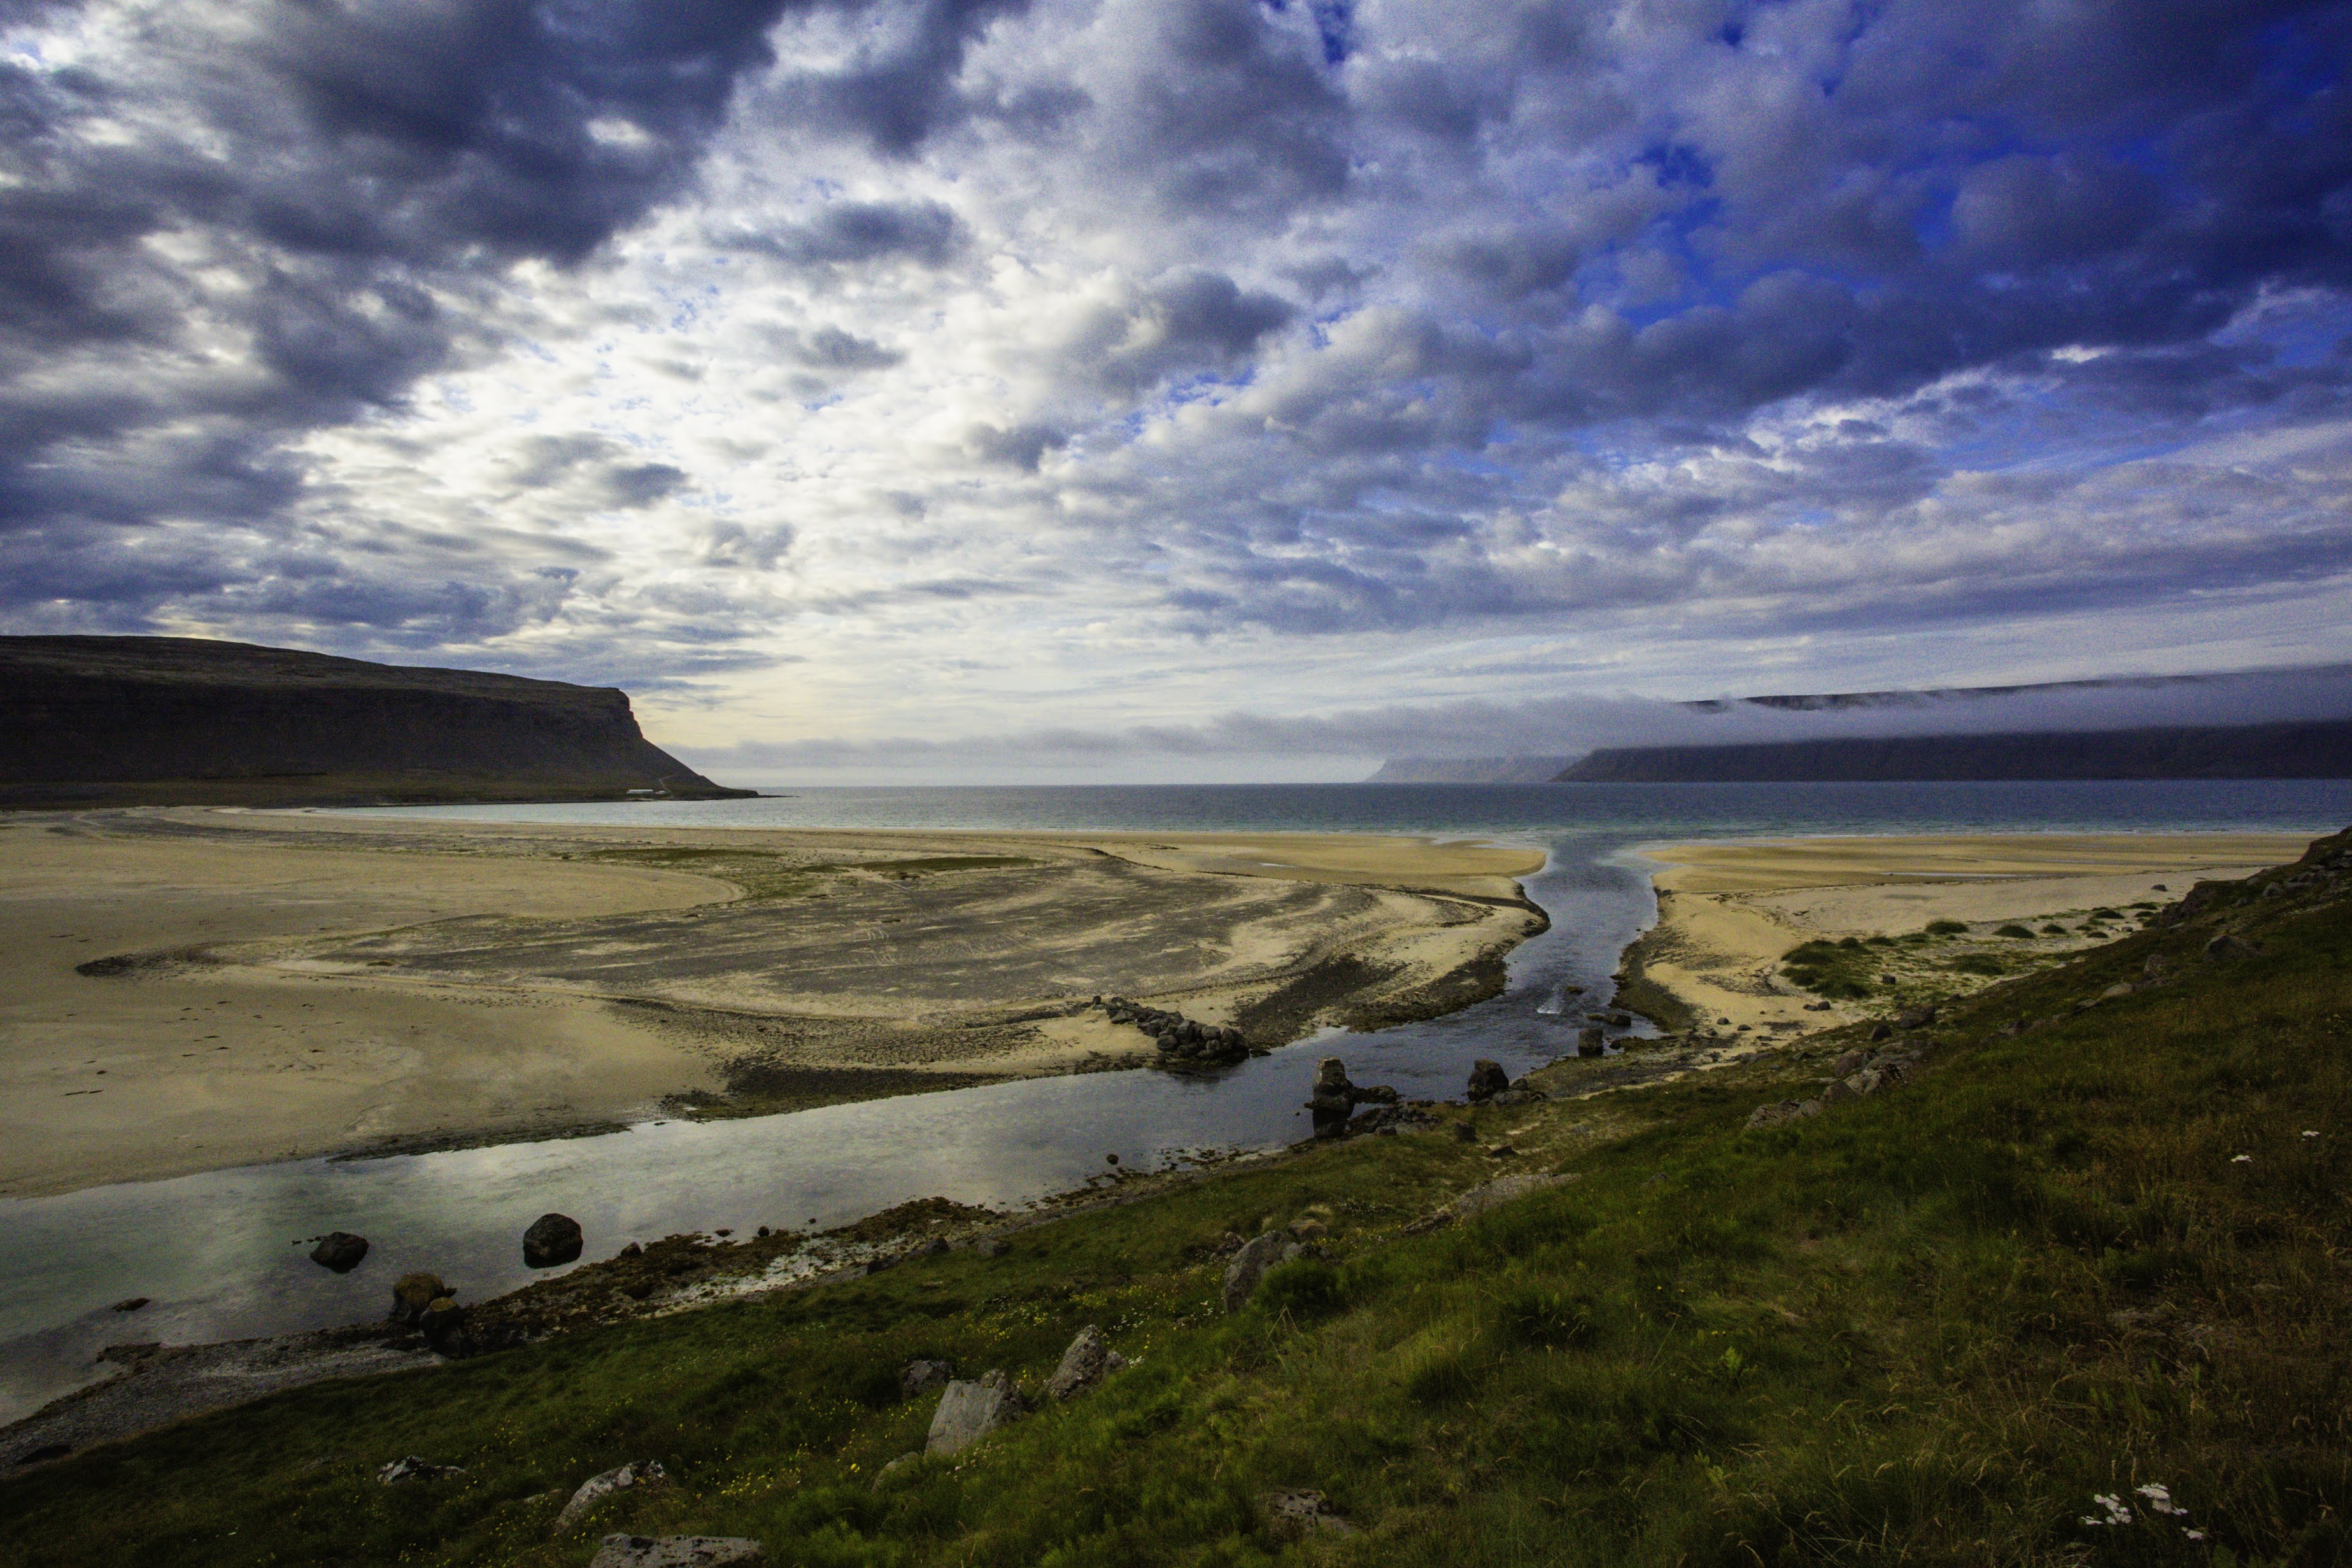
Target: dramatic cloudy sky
1274	382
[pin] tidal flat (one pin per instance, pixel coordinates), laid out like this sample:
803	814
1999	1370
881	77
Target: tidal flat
192	989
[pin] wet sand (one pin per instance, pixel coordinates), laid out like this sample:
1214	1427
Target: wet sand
1728	911
187	989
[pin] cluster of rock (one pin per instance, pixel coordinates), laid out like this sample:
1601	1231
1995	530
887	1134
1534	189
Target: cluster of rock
1183	1042
1490	1085
422	1302
1333	1104
969	1409
1856	1074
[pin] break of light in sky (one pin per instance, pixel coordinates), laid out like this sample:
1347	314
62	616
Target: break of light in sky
864	385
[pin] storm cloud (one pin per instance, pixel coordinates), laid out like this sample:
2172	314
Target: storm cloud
1342	354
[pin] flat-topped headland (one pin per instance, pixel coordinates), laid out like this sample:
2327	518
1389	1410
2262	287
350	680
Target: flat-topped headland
194	988
188	720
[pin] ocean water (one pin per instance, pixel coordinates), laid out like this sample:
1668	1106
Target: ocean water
214	1250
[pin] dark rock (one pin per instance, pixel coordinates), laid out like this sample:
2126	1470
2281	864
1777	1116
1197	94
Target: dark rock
677	1552
1881	1031
412	1294
2226	947
1915	1018
1487	1080
552	1239
131	1304
992	1247
1621	1020
969	1411
917	1378
1592	1041
41	1453
1088	1361
1463	1133
443	1328
1849	1061
412	1468
339	1250
595	1488
937	1247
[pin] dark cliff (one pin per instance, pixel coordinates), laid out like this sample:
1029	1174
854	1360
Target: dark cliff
2305	750
182	720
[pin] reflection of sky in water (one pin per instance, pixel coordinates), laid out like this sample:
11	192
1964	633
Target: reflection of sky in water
213	1248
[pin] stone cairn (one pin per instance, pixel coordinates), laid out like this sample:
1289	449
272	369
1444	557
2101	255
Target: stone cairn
1184	1044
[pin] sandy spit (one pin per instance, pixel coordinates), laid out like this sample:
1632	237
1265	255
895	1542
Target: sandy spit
1728	910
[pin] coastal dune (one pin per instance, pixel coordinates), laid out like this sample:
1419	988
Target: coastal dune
186	989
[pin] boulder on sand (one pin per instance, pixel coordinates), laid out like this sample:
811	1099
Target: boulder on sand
552	1239
971	1411
339	1250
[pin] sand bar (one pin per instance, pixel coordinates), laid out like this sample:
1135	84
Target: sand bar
284	985
1728	910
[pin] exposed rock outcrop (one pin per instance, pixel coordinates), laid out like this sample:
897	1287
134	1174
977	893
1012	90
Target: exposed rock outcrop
595	1488
971	1411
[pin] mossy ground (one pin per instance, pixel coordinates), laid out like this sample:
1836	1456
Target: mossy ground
1925	1327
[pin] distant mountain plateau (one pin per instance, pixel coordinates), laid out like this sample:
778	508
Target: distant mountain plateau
190	721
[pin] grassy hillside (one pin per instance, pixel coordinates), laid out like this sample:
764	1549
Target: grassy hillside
2096	1242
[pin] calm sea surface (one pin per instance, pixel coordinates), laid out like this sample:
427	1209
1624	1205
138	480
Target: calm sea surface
213	1249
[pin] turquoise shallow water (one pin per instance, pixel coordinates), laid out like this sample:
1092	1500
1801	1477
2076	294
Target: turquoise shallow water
213	1251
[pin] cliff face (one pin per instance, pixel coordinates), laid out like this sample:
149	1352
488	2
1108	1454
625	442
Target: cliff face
2311	750
89	720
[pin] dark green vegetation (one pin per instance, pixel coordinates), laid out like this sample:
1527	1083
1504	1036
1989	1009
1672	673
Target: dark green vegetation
163	721
2098	1243
1840	970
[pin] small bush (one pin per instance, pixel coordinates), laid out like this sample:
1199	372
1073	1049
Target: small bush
1304	1292
2014	929
1978	963
2053	929
1948	928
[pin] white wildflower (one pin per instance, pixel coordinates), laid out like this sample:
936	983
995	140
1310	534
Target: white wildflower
2241	1159
2194	1534
2310	1134
2160	1499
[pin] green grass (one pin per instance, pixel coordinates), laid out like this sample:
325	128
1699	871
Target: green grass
1922	1328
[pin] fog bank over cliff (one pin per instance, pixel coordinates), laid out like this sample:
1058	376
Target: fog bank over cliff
1468	739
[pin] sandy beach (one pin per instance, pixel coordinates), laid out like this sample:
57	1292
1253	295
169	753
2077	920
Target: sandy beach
1728	910
185	990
